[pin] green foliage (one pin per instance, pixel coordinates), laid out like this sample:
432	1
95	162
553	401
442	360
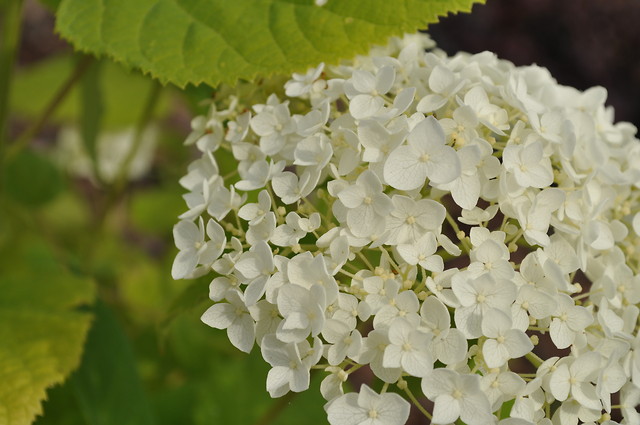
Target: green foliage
217	384
122	92
146	205
195	41
32	179
91	109
42	326
51	4
107	386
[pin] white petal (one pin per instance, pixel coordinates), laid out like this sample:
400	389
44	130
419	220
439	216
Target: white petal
219	316
495	354
278	381
446	409
242	333
417	363
365	106
559	383
444	166
345	411
403	170
184	263
185	234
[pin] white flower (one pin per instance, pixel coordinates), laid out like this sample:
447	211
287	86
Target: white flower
422	252
302	310
364	90
410	220
290	187
368	408
503	342
456	396
345	341
444	85
477	297
189	239
254	213
373	348
367	205
235	318
502	386
575	379
568	321
408	348
507	215
301	84
425	156
448	344
255	267
290	364
528	164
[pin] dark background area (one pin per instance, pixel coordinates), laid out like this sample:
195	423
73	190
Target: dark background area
583	43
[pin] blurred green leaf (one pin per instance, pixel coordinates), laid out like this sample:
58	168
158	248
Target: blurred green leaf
228	386
42	326
146	205
33	88
195	41
61	407
51	4
91	109
32	179
107	384
194	296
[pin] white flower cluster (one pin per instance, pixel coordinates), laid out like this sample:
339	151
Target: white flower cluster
429	218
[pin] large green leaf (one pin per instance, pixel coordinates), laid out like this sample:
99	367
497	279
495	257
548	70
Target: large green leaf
212	41
42	327
107	384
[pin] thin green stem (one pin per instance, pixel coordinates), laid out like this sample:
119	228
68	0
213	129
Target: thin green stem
119	184
24	138
9	41
534	359
416	403
365	260
143	122
276	408
466	246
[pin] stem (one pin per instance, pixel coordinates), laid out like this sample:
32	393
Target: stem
8	49
24	138
276	408
120	181
147	112
454	225
415	401
534	359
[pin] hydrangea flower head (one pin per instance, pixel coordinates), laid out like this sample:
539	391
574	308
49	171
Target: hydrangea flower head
456	225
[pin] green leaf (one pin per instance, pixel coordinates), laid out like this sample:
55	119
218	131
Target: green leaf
505	409
42	327
146	204
51	4
91	110
226	386
195	41
32	179
107	384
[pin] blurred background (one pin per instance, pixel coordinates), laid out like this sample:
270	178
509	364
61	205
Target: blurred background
93	182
